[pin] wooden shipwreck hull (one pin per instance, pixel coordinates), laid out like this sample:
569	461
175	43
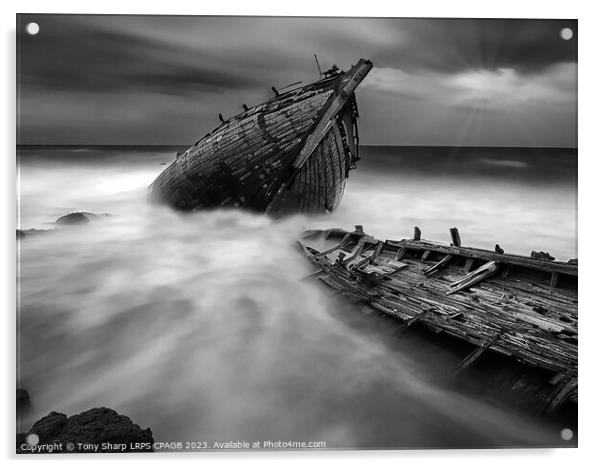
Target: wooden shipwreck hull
522	307
292	153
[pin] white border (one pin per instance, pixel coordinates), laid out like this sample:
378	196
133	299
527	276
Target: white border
589	238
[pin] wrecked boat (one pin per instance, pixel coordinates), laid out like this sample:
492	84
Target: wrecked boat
292	153
518	306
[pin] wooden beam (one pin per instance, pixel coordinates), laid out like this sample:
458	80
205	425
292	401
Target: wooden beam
377	251
400	253
455	235
358	249
506	271
336	247
482	254
468	264
562	394
472	357
313	276
553	280
410	322
480	274
439	265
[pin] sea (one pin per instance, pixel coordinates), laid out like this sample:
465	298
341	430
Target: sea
200	327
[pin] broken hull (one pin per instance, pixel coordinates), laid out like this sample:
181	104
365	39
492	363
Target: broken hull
290	154
523	308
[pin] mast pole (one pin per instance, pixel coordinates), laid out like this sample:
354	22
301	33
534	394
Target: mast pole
318	64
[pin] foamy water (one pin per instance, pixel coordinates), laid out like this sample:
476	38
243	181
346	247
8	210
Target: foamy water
198	326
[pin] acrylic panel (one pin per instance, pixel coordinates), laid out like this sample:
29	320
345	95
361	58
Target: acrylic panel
288	233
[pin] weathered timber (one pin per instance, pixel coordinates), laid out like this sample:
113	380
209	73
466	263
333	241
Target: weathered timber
472	357
292	153
513	305
480	274
455	235
443	262
482	254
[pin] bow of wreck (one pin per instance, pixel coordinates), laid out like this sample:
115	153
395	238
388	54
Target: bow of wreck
292	153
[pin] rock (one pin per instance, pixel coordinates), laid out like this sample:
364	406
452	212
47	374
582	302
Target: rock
21	234
49	427
22	397
573	261
76	218
80	217
103	427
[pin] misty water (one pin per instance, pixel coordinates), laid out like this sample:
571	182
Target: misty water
198	325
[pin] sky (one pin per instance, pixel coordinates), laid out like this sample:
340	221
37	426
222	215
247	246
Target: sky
163	80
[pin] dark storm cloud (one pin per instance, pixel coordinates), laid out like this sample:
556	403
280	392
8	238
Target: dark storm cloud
153	79
453	45
74	56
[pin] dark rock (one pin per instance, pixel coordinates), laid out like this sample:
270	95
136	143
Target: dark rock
80	217
49	426
22	233
96	426
76	218
20	441
22	397
572	261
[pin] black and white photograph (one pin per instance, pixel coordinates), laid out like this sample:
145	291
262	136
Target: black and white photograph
289	233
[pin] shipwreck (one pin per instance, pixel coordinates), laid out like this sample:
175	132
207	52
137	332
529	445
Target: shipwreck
518	306
292	153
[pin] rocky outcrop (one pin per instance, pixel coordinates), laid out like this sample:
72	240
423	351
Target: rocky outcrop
22	233
71	219
93	431
80	217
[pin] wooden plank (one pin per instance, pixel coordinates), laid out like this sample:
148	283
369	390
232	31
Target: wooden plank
408	323
482	254
377	251
313	276
443	262
336	247
562	394
455	235
553	280
400	253
480	274
472	357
